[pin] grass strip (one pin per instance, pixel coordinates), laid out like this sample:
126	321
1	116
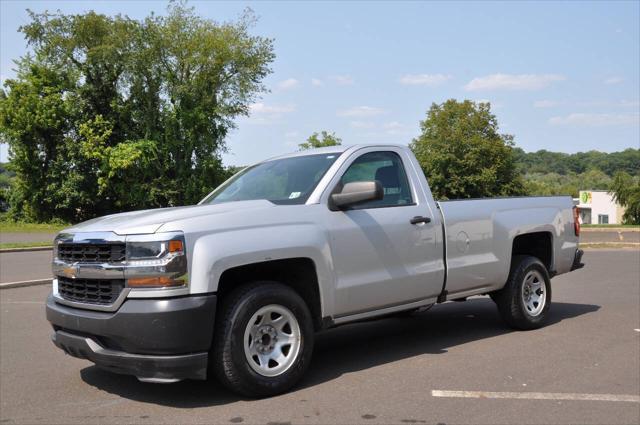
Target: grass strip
21	227
24	245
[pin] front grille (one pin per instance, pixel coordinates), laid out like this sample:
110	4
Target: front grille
92	253
91	291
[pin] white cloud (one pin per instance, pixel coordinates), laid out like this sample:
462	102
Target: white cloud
424	79
390	128
513	82
261	113
545	103
395	128
608	103
613	80
361	111
392	125
342	80
361	124
287	84
292	134
595	104
261	108
316	82
596	120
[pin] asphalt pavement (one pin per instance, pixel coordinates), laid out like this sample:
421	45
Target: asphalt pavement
21	266
607	235
394	371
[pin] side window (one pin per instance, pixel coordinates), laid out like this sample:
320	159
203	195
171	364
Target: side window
387	168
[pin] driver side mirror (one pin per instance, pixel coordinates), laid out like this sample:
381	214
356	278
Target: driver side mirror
356	193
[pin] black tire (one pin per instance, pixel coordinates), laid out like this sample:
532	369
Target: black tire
510	302
227	358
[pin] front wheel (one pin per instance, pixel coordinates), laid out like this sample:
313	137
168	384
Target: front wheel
263	341
525	300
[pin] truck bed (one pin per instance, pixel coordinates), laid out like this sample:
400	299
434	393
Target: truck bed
480	234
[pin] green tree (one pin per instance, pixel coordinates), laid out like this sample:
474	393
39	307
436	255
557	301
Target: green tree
626	191
567	184
542	162
321	140
113	114
462	153
6	179
34	120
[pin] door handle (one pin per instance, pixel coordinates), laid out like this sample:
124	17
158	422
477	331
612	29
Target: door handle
418	219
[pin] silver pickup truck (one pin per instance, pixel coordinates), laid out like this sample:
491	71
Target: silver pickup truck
236	286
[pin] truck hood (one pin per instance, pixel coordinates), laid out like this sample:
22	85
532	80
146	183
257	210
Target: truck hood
149	221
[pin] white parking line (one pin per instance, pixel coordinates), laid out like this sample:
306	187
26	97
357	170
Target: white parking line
537	396
22	302
23	283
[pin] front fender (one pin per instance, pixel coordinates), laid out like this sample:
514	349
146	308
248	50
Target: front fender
215	253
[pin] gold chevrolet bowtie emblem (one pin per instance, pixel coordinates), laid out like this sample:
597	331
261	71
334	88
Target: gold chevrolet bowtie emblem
71	271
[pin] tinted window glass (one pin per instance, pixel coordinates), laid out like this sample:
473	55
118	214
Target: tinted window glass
387	168
281	181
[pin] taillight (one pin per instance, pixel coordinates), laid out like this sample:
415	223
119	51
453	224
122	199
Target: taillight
576	220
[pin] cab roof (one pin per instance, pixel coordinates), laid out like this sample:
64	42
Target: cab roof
334	149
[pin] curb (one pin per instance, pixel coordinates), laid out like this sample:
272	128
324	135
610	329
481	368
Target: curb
25	283
610	245
612	229
35	248
611	249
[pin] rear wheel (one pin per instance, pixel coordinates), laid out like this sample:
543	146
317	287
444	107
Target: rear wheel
525	300
263	340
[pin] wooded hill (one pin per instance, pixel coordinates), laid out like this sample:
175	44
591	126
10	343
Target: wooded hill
544	162
556	173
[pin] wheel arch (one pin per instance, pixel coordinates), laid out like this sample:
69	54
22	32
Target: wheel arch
536	244
298	273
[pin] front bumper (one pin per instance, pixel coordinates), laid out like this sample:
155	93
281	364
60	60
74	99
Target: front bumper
145	367
154	339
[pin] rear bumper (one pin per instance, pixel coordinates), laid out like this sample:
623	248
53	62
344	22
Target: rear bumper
577	260
161	339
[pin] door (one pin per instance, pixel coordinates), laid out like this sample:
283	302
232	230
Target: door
380	258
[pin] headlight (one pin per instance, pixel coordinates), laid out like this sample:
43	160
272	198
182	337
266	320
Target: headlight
56	241
156	261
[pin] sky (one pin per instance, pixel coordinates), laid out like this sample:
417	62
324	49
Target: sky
561	76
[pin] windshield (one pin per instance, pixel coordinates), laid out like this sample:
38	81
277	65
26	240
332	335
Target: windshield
281	181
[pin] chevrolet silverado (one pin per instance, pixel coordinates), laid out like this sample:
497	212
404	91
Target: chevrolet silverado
236	286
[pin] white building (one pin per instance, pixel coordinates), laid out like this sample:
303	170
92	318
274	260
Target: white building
598	207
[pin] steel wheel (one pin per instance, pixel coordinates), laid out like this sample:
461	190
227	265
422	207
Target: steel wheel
272	340
534	295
